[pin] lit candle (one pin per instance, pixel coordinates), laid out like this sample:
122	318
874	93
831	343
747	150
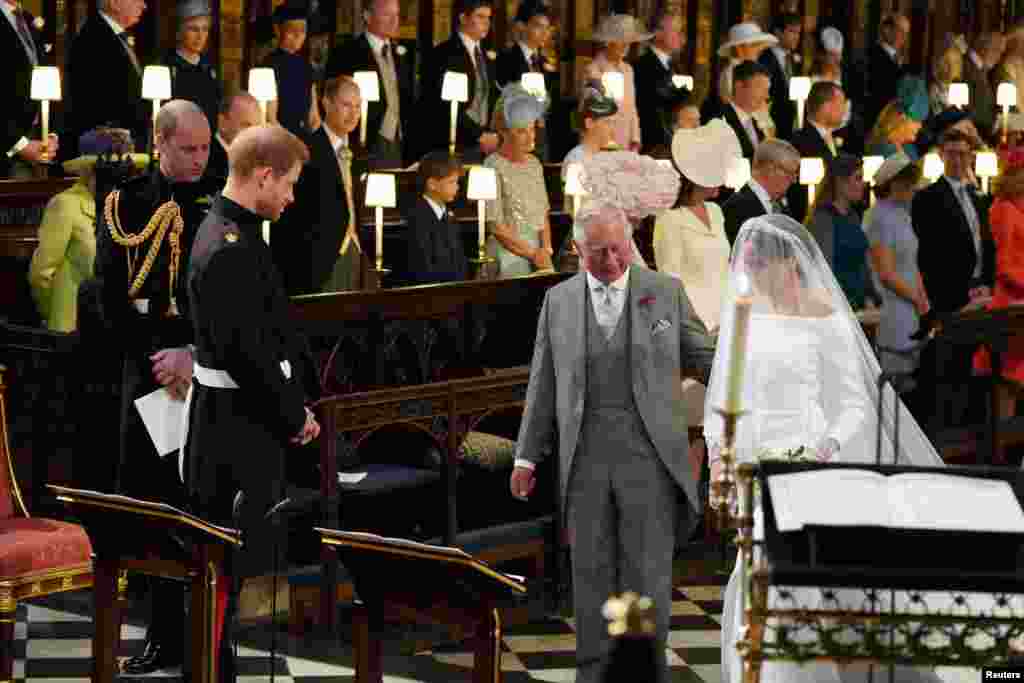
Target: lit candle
380	192
799	89
454	89
738	347
482	186
44	87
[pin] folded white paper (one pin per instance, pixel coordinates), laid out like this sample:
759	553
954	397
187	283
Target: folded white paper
162	414
847	497
351	477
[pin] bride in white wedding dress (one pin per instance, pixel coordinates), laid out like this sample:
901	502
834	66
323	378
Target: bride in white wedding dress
810	381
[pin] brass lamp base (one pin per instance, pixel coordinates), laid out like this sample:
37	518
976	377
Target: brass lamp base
482	258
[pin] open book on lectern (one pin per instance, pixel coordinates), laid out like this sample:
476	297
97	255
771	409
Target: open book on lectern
855	497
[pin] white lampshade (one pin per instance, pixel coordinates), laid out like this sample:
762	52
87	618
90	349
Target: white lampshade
45	83
959	95
1006	95
534	84
682	81
455	87
933	166
156	83
812	170
738	174
483	183
573	180
263	84
986	165
369	85
380	190
871	165
614	85
799	87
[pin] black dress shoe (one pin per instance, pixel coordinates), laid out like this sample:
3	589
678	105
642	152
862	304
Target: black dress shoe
153	658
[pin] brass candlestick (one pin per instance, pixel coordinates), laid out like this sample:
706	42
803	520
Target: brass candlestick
724	491
481	257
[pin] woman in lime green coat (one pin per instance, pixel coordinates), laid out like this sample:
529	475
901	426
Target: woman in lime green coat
67	235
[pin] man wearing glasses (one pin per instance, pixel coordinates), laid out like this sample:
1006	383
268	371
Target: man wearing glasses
776	166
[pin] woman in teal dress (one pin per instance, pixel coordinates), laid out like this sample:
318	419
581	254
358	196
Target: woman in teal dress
520	232
836	226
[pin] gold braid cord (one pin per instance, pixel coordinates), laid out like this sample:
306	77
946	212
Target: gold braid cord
167	216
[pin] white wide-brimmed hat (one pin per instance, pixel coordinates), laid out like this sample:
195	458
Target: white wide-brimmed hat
891	167
746	33
706	154
620	28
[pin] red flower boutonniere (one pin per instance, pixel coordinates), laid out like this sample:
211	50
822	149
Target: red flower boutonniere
645	301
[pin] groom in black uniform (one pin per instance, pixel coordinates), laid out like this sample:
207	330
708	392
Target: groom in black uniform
253	374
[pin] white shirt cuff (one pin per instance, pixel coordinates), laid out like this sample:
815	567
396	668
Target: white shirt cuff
18	146
520	462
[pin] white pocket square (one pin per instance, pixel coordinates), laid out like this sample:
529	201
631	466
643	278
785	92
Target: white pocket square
660	326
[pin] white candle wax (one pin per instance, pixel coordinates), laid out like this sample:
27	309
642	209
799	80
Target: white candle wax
362	123
46	121
380	237
481	213
455	117
738	354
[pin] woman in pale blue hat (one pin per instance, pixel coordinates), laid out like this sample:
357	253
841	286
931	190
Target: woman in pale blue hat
193	77
520	230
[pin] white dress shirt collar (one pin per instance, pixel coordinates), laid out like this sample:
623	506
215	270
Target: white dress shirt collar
220	141
780	56
975	59
337	141
825	133
117	28
762	194
889	50
528	52
438	208
618	285
376	42
188	58
663	57
470	44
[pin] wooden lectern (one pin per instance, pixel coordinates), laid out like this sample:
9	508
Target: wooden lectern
412	581
156	539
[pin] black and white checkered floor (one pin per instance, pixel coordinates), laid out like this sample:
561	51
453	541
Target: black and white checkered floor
53	645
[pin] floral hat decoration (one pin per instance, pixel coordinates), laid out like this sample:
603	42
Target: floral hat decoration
638	185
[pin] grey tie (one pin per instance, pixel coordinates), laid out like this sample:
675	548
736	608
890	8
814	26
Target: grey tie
123	35
26	35
606	305
971	214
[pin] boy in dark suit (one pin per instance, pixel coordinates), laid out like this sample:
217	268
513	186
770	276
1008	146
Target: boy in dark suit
436	253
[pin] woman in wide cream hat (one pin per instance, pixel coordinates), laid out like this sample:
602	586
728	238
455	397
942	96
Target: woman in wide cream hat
689	239
745	42
614	35
67	234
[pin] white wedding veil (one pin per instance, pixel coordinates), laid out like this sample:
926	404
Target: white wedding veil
808	361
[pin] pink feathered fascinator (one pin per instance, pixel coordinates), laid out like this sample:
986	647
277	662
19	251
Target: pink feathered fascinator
636	184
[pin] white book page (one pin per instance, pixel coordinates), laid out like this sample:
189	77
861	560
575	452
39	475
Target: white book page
950	502
162	414
831	497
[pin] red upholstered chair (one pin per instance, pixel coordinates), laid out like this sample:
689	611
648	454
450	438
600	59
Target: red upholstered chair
37	556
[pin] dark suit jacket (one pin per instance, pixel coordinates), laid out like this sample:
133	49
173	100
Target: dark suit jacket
306	239
436	253
19	110
451	55
809	143
733	119
946	255
740	207
356	54
883	74
648	75
510	65
217	164
103	85
783	109
983	97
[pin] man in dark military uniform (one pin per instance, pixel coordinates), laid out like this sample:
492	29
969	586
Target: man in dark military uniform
143	244
253	374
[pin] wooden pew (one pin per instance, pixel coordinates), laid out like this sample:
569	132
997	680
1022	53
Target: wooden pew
21	210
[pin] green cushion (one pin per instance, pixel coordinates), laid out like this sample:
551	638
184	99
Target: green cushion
488	451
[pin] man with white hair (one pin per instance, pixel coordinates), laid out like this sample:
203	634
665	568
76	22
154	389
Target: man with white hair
775	168
104	74
612	345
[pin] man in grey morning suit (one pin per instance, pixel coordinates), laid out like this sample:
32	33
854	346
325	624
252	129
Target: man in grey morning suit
611	346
